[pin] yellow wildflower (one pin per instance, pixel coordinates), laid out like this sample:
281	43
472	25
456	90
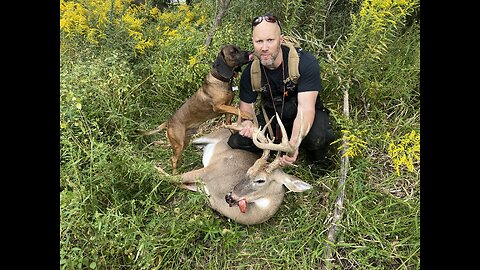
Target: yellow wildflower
406	152
73	17
351	143
192	61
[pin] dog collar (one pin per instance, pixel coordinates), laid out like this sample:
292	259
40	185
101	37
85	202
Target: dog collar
220	77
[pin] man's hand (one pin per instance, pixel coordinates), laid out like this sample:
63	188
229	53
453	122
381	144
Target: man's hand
288	160
247	130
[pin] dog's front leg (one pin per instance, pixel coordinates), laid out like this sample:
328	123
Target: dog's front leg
222	108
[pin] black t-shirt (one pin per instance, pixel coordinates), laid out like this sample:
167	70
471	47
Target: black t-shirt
309	80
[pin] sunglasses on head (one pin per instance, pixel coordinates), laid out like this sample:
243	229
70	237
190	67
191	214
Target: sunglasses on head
268	18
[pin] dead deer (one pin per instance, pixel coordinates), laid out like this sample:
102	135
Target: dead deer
234	177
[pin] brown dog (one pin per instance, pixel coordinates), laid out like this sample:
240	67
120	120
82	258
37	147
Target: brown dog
211	100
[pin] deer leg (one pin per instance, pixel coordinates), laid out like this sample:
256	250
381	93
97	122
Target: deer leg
191	178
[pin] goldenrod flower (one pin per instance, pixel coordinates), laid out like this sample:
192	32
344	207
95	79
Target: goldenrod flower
406	152
351	143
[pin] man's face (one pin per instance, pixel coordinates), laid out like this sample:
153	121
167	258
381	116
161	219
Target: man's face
266	40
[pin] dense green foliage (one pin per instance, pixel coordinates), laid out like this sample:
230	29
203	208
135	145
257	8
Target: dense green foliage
125	67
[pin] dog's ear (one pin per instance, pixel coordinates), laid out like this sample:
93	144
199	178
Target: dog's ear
222	68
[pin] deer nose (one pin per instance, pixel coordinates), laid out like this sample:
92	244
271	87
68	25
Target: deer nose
229	199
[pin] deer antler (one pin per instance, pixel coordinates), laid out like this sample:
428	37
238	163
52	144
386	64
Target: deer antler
237	126
284	146
276	162
259	134
263	142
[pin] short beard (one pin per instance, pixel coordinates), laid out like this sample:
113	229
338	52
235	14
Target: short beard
269	63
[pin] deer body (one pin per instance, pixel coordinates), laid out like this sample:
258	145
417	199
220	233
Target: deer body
243	197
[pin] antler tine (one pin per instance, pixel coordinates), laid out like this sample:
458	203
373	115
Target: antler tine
283	147
238	125
260	132
260	163
257	136
282	128
276	162
300	134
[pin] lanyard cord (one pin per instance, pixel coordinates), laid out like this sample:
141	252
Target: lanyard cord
277	133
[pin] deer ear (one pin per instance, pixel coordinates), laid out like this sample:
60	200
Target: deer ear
295	184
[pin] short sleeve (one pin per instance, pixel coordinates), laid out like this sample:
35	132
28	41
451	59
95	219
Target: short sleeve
309	73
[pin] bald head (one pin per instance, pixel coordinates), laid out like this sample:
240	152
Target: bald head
265	27
266	38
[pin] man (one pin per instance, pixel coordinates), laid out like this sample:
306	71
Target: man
287	99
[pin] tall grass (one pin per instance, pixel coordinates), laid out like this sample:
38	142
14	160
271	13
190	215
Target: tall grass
118	212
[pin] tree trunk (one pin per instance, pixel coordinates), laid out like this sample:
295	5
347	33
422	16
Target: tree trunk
222	8
344	165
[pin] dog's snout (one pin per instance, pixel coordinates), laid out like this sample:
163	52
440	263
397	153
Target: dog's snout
245	58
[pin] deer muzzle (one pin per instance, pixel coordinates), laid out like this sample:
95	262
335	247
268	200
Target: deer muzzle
242	203
229	199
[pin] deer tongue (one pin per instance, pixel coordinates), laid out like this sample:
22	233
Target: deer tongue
242	204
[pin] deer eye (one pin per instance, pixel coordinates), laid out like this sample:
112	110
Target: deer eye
260	181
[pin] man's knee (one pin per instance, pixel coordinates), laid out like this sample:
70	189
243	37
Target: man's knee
318	140
321	134
317	155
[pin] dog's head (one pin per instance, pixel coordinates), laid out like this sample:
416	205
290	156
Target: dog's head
230	59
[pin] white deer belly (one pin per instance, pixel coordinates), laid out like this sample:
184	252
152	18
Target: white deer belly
208	148
207	154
